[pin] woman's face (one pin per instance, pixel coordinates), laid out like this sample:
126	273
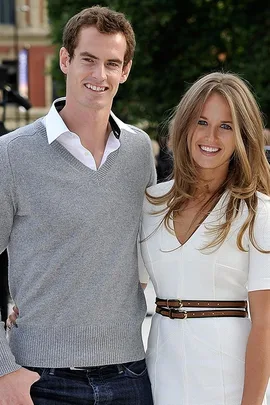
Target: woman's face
212	143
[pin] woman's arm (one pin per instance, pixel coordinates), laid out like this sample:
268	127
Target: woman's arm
257	364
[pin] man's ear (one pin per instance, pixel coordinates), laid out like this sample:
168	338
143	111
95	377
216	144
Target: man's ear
125	72
64	60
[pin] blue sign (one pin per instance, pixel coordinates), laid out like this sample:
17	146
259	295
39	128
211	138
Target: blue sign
23	72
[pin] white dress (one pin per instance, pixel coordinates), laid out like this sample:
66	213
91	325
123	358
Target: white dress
201	361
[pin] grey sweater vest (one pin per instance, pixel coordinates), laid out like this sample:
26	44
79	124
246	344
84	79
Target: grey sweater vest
71	236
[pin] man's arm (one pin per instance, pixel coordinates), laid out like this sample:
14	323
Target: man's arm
7	212
15	382
153	171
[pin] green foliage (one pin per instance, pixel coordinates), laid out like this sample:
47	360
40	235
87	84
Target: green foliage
178	41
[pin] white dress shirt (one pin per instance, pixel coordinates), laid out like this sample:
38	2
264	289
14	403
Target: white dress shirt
57	129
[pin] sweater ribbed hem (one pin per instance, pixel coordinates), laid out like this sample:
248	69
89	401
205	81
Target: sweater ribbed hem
8	367
77	346
7	360
7	364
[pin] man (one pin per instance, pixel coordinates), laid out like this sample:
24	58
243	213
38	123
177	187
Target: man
71	193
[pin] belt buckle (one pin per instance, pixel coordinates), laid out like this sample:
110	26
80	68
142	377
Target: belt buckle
185	314
180	304
78	368
171	311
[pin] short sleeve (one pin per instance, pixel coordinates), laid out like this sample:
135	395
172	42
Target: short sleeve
259	263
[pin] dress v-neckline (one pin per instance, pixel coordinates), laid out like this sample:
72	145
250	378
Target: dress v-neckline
205	218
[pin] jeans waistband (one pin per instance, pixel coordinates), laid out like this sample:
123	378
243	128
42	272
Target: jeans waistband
83	371
109	368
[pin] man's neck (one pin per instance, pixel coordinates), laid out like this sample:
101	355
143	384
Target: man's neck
92	127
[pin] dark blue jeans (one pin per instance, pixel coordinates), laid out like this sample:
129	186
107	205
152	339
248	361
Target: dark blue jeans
122	384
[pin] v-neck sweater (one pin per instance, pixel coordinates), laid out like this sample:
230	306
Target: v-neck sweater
71	237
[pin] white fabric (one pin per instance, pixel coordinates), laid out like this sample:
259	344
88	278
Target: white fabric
57	129
201	361
143	273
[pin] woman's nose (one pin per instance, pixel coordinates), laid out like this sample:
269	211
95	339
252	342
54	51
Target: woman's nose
210	133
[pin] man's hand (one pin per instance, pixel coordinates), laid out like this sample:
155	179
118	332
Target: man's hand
15	387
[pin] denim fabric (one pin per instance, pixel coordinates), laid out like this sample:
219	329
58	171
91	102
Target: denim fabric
122	384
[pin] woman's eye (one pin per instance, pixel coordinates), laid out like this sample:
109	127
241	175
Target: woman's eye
226	126
202	122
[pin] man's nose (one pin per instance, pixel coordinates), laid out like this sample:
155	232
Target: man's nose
99	72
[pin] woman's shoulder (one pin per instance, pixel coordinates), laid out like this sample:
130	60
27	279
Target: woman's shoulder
262	198
263	207
160	189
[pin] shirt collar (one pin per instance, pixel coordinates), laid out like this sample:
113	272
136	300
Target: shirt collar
121	124
55	126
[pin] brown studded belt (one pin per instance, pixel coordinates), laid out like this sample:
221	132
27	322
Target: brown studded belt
172	308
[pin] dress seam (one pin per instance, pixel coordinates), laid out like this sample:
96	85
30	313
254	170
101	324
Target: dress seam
222	364
218	332
185	370
155	367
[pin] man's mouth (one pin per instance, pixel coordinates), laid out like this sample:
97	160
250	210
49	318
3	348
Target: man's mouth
98	89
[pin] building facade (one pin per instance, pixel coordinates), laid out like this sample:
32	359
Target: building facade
26	51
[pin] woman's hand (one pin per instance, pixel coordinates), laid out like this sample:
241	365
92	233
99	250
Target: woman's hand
11	321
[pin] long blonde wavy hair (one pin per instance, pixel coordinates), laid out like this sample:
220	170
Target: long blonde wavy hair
248	169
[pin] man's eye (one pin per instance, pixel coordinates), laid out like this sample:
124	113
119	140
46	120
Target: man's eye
202	122
113	64
87	60
226	126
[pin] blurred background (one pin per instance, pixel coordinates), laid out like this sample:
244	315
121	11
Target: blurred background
177	41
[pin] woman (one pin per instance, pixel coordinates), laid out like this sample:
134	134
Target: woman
205	243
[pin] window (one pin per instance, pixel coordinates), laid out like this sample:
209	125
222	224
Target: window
7	11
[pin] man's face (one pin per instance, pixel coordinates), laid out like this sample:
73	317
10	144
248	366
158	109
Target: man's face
96	69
